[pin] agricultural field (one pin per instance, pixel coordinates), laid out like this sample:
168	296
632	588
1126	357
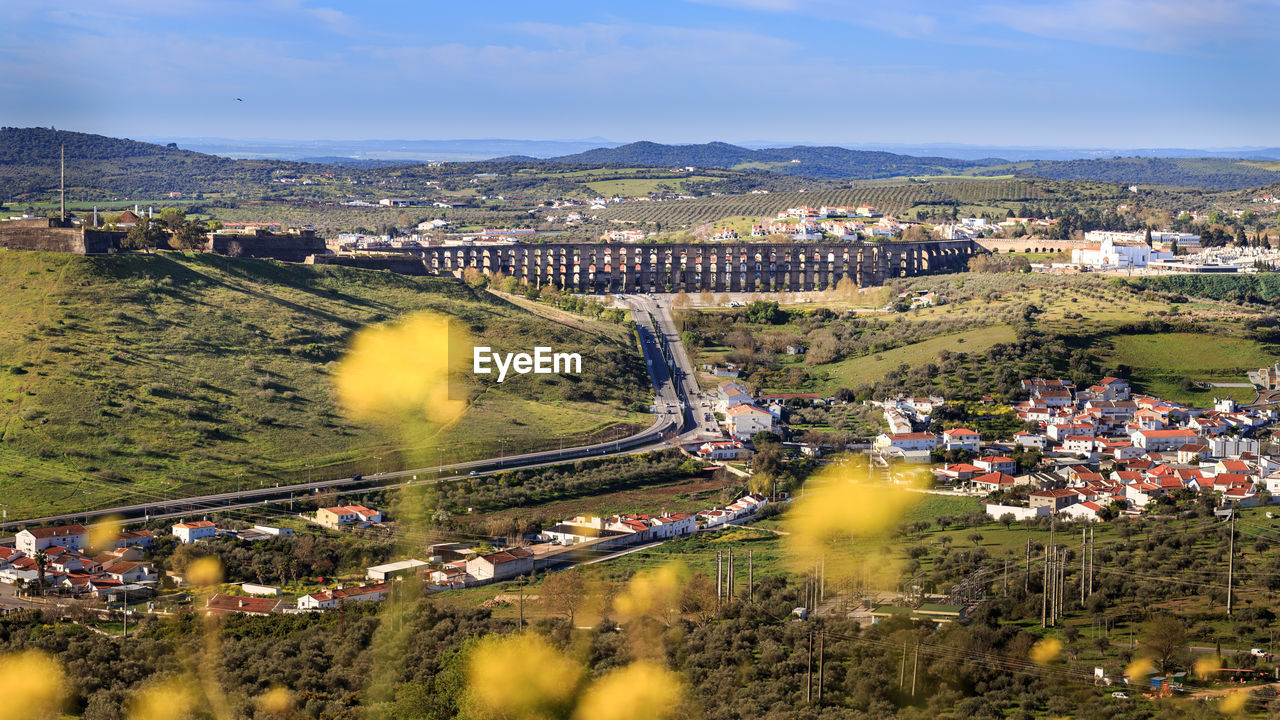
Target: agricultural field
1160	361
868	369
130	377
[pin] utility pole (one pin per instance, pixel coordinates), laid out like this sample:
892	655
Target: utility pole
521	592
62	187
1084	539
902	672
808	673
822	585
821	665
915	668
1026	574
751	574
1044	594
719	578
1091	570
1231	559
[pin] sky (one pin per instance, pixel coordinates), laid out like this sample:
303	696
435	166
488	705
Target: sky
1065	73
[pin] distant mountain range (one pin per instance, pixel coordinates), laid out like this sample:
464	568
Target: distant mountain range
104	165
803	160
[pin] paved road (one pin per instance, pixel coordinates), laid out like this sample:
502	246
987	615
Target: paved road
698	414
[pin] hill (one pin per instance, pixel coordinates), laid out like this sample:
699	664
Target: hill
802	160
100	166
124	378
1210	173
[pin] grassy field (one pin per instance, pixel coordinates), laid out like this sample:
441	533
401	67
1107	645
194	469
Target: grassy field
867	369
132	377
642	187
1160	361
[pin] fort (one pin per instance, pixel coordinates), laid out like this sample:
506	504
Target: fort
721	267
53	235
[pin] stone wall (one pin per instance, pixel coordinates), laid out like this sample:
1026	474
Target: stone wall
291	247
45	234
409	265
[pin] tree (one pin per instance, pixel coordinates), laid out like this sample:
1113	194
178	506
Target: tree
143	235
1165	641
765	312
42	561
189	236
172	218
764	437
564	592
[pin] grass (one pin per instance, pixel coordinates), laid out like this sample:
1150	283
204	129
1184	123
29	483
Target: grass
642	187
130	377
851	372
1161	360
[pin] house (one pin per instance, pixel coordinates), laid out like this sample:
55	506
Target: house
129	572
918	441
135	538
1028	439
1082	444
70	536
670	525
221	604
340	595
961	439
729	393
189	532
1158	440
501	565
747	420
993	481
997	464
340	515
957	472
1055	499
1088	510
382	573
724	450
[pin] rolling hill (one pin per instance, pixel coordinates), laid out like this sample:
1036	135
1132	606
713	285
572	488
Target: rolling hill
124	378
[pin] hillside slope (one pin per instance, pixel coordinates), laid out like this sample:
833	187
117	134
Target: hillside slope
131	377
1207	173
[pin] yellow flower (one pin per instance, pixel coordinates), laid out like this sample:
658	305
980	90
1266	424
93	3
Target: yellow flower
640	691
500	691
34	686
1046	651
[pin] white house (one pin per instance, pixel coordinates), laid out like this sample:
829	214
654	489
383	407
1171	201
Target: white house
326	599
1030	440
69	536
961	439
382	573
1159	440
189	532
1087	510
920	441
747	420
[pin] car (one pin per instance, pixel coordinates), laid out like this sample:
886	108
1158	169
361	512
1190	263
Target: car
475	472
1120	695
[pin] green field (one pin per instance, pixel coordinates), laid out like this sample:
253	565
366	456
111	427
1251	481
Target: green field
642	187
131	377
1161	360
868	369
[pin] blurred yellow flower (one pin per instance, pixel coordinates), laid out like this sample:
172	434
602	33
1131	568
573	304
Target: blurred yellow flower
653	593
521	677
34	686
1046	651
205	571
1206	665
103	534
1139	669
397	372
277	701
168	700
1233	703
640	691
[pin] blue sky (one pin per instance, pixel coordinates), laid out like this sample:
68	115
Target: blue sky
1118	73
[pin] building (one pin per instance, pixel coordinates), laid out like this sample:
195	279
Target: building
724	450
1160	440
747	420
340	515
909	442
501	565
221	604
189	532
68	536
382	573
326	599
961	439
1055	500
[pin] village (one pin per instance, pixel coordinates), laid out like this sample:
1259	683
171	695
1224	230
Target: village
61	562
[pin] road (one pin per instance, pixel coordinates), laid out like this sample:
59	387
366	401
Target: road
698	416
677	421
